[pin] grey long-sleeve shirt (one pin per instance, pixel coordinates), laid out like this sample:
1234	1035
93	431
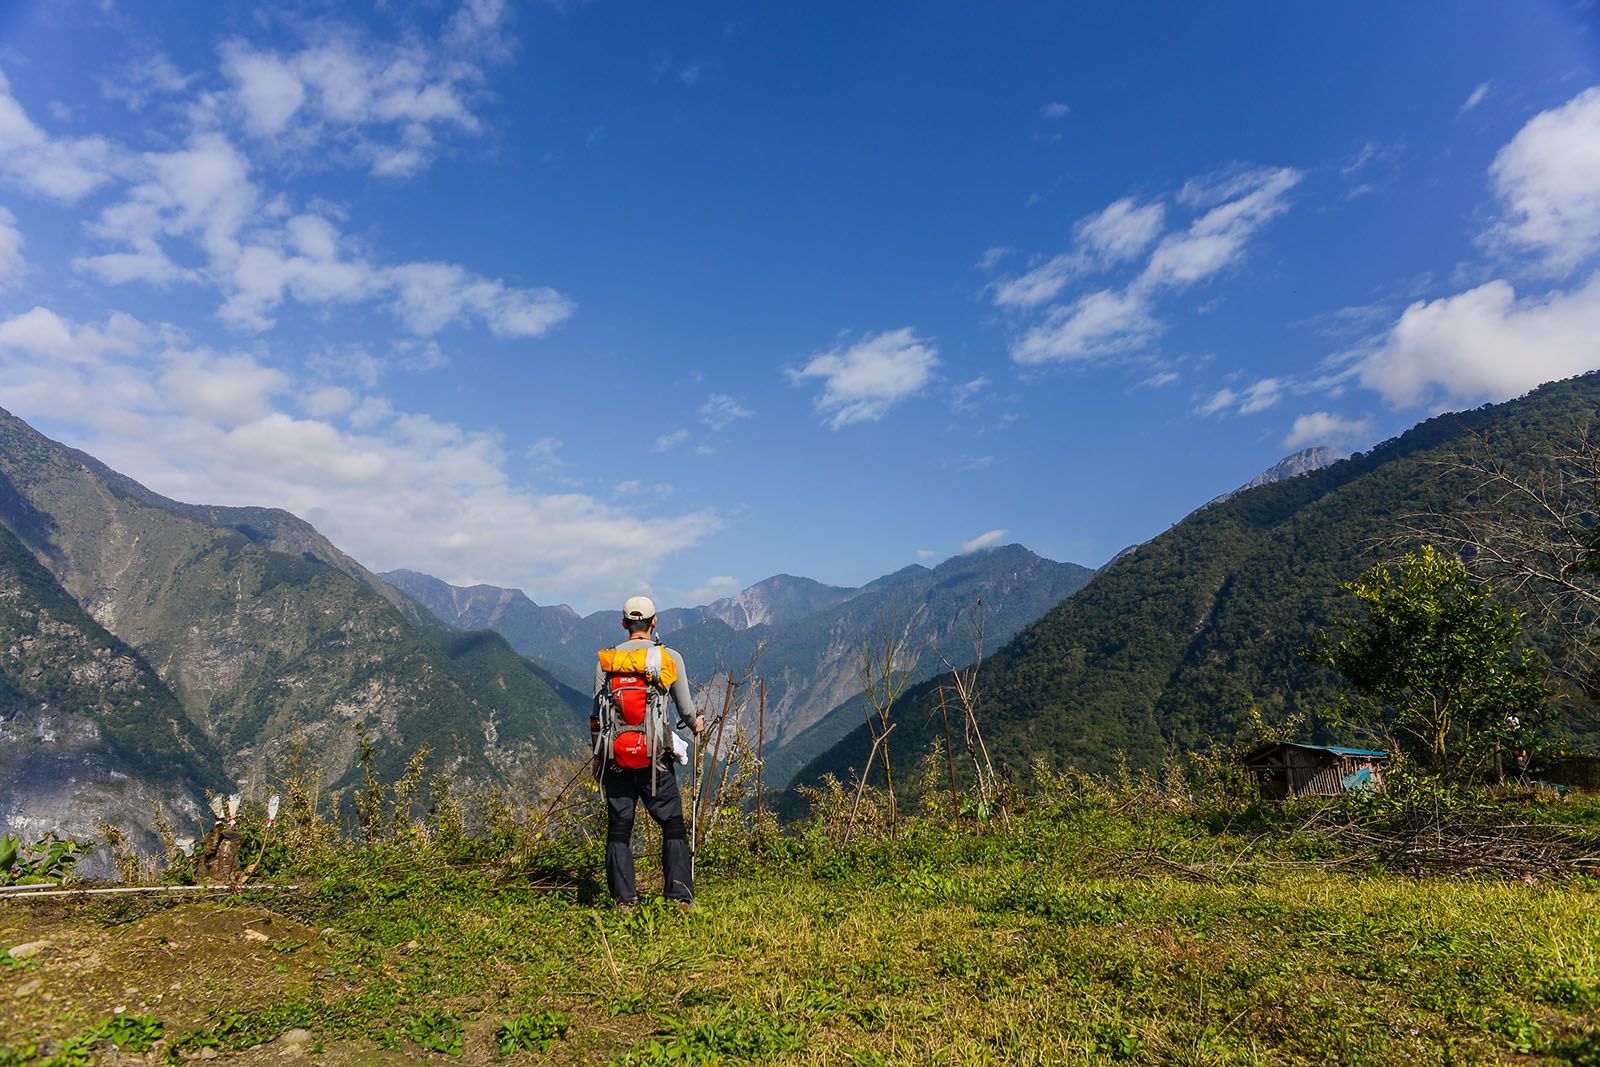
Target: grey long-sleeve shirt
680	686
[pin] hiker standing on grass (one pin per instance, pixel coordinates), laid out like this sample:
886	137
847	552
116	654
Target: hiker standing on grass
635	748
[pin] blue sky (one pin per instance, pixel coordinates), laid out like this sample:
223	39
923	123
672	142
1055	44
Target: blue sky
594	298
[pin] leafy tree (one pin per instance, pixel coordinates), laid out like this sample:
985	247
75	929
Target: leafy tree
1434	662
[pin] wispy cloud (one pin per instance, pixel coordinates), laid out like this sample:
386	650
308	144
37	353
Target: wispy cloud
1118	233
668	441
63	169
993	537
384	105
1475	98
1110	320
714	588
1055	110
1258	396
11	262
1159	379
200	209
143	79
862	381
721	410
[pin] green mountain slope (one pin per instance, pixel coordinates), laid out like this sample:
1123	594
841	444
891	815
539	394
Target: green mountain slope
1170	644
257	642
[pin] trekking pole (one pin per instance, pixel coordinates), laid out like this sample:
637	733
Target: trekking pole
694	799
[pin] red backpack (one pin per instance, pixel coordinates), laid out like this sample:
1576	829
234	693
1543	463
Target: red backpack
631	729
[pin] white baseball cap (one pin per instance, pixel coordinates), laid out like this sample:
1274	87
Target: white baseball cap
638	608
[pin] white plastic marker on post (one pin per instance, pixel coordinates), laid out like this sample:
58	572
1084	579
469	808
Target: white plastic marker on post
216	809
272	813
233	809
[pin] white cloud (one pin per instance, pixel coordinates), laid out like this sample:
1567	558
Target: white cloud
328	401
1110	320
1055	110
393	489
1485	344
1322	428
961	395
1121	231
714	588
1041	284
431	296
202	196
267	89
1475	98
1159	379
227	390
668	441
1548	178
1216	240
1257	397
1099	324
11	262
992	257
862	382
62	169
480	24
720	410
143	79
197	213
384	105
993	537
926	553
1115	234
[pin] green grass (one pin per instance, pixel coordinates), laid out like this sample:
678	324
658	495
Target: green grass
1084	933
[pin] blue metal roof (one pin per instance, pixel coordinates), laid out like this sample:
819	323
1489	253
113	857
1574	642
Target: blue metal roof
1337	750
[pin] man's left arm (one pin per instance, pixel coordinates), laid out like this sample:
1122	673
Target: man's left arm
687	716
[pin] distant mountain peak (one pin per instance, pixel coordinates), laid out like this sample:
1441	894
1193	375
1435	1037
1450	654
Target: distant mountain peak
1292	466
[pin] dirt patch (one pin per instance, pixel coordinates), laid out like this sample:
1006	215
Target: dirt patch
183	964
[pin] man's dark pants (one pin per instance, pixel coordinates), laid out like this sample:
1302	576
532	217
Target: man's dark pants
624	790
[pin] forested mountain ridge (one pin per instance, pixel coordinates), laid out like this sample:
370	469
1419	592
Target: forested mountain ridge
560	635
1170	645
256	643
810	634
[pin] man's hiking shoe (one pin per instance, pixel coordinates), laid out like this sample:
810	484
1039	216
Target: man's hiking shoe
627	908
688	905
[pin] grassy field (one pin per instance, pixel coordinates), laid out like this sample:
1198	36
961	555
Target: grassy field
1093	929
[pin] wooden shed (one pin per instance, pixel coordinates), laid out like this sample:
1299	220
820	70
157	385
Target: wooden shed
1284	769
1576	770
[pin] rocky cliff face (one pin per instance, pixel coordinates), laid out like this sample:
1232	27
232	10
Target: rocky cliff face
87	730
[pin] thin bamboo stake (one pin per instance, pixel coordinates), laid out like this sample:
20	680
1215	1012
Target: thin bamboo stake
151	889
761	756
